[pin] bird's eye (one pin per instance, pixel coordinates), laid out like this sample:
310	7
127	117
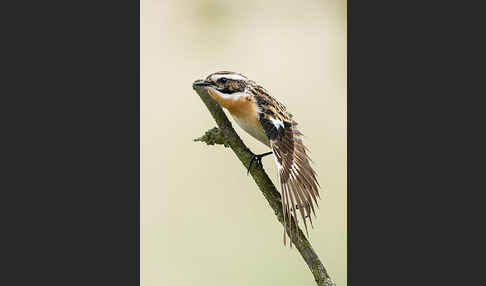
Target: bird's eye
223	80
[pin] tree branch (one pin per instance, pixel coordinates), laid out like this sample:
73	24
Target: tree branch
227	136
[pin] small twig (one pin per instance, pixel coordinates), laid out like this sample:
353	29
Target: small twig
227	136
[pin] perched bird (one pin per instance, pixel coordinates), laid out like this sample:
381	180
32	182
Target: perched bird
267	120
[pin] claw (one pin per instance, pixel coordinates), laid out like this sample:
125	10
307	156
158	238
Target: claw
258	159
249	165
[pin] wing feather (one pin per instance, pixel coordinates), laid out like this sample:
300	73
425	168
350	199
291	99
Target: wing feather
298	180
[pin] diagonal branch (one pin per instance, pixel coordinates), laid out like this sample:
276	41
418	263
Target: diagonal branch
228	137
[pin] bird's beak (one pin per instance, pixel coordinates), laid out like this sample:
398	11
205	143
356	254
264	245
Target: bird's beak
201	82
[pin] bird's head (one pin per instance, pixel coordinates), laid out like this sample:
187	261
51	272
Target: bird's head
224	82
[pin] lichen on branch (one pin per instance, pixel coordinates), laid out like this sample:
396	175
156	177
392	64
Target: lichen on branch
213	136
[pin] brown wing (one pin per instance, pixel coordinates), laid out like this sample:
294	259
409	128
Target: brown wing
298	181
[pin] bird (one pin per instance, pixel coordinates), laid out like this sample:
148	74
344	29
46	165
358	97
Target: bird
267	120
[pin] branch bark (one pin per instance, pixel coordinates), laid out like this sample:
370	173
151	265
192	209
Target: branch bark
227	136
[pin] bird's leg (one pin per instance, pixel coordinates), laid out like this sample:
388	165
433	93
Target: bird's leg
258	159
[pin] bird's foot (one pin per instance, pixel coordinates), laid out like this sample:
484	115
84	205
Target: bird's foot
258	159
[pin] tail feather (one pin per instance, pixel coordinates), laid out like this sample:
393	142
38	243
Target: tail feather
298	180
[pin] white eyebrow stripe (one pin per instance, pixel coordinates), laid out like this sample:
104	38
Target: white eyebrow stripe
229	76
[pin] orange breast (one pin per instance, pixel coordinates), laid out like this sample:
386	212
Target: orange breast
242	107
244	110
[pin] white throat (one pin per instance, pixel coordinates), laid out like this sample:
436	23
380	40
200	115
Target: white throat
233	96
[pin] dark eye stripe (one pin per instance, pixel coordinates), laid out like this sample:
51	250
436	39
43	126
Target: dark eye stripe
227	90
229	86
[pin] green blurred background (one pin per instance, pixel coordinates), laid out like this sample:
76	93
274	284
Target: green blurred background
203	220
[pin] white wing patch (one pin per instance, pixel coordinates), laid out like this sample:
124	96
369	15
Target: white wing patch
258	108
277	123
